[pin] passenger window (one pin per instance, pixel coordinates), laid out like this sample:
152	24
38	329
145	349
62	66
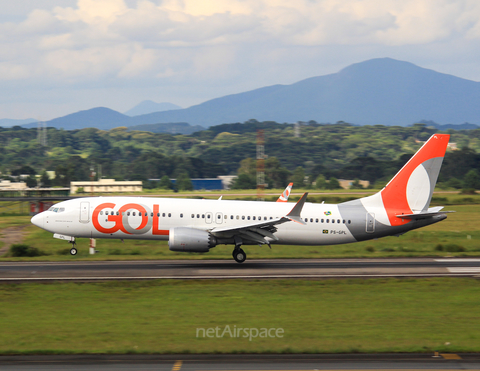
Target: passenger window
333	220
208	216
203	216
118	213
133	214
101	213
243	217
226	217
328	220
349	222
181	215
343	221
306	220
248	217
169	215
253	218
151	214
231	216
316	220
338	221
158	215
163	215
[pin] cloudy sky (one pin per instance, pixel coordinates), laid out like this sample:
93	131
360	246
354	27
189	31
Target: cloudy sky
61	56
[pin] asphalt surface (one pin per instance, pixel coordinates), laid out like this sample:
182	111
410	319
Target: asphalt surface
226	269
243	362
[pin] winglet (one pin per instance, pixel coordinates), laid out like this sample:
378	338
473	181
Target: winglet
294	214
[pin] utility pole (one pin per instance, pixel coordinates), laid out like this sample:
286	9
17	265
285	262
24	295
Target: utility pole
260	165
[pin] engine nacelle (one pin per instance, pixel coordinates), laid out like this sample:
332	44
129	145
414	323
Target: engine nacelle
190	240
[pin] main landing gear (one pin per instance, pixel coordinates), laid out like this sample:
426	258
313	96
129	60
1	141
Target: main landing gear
238	254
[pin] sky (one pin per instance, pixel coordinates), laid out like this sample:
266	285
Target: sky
62	56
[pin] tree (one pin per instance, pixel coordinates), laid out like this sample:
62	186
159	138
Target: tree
244	181
472	180
321	182
184	183
31	181
165	183
45	181
333	183
298	177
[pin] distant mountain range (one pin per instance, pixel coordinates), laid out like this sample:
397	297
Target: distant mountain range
378	91
148	106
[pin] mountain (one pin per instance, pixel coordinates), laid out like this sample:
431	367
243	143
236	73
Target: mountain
171	128
6	123
377	91
100	117
148	106
105	119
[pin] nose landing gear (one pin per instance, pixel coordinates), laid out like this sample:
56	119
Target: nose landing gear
73	250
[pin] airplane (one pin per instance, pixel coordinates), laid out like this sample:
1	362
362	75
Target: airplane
199	225
286	194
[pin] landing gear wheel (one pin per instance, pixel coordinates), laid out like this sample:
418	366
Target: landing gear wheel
239	255
73	251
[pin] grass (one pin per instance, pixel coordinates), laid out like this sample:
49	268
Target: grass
381	315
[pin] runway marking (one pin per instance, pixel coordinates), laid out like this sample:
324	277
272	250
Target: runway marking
450	356
464	269
458	260
177	366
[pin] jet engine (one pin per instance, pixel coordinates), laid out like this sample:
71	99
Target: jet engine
190	240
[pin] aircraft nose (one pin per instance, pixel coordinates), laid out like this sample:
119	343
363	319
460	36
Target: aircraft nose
37	220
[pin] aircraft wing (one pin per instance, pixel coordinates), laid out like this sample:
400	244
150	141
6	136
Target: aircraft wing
257	232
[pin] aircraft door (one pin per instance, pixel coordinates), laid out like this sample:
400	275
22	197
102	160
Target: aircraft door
208	218
84	212
219	218
370	227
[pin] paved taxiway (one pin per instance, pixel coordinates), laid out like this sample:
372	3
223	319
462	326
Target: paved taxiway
251	269
243	362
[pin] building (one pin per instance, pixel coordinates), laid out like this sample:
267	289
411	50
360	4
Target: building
346	184
106	186
7	185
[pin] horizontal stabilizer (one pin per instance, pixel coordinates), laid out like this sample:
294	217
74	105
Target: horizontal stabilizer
423	215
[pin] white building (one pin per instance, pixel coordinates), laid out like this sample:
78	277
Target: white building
106	186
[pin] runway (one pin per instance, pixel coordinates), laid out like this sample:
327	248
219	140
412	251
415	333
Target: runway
227	269
243	362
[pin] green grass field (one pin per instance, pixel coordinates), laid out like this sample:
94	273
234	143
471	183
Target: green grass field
381	315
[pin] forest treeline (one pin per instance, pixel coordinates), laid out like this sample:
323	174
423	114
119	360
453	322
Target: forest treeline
321	152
